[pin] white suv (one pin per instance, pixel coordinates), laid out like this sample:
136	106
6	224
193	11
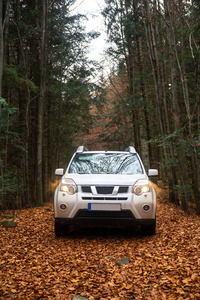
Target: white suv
107	189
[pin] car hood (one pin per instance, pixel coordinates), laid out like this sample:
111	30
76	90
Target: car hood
105	179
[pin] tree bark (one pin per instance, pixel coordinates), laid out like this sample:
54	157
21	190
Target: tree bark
145	99
1	46
39	175
154	44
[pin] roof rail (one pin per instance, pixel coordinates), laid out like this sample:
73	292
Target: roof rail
130	149
81	149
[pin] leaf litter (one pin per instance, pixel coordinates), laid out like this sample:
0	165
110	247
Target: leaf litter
36	265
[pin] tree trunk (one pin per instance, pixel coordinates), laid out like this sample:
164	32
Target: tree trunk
145	99
154	43
1	46
39	175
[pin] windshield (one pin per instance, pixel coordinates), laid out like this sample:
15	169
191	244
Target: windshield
106	163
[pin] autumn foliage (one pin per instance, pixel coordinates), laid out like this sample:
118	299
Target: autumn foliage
36	265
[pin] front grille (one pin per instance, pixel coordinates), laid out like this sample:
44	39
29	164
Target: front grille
123	189
86	189
105	198
123	214
104	189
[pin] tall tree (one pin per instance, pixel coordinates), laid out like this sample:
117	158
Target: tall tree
41	98
46	76
1	45
159	34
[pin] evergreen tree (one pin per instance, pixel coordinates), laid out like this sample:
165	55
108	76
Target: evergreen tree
46	77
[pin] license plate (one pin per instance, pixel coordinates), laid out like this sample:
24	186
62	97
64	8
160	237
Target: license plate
103	206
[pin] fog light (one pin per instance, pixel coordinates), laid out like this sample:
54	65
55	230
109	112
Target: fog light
63	206
146	207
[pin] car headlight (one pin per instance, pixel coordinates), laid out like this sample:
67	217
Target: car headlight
68	186
141	187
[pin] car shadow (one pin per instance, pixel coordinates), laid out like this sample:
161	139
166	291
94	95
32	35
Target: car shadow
105	233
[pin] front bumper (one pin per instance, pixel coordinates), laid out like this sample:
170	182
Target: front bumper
126	209
134	204
123	218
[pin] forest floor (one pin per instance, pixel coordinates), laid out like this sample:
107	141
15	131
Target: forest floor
34	264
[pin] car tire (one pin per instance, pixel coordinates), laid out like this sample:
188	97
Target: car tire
61	229
149	229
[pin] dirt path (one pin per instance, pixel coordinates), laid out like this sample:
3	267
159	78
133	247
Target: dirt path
36	265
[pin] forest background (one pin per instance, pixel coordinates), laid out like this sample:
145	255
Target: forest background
50	103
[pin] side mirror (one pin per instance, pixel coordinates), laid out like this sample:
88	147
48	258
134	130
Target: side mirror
59	172
152	172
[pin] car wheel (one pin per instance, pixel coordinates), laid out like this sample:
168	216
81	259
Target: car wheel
149	229
61	229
